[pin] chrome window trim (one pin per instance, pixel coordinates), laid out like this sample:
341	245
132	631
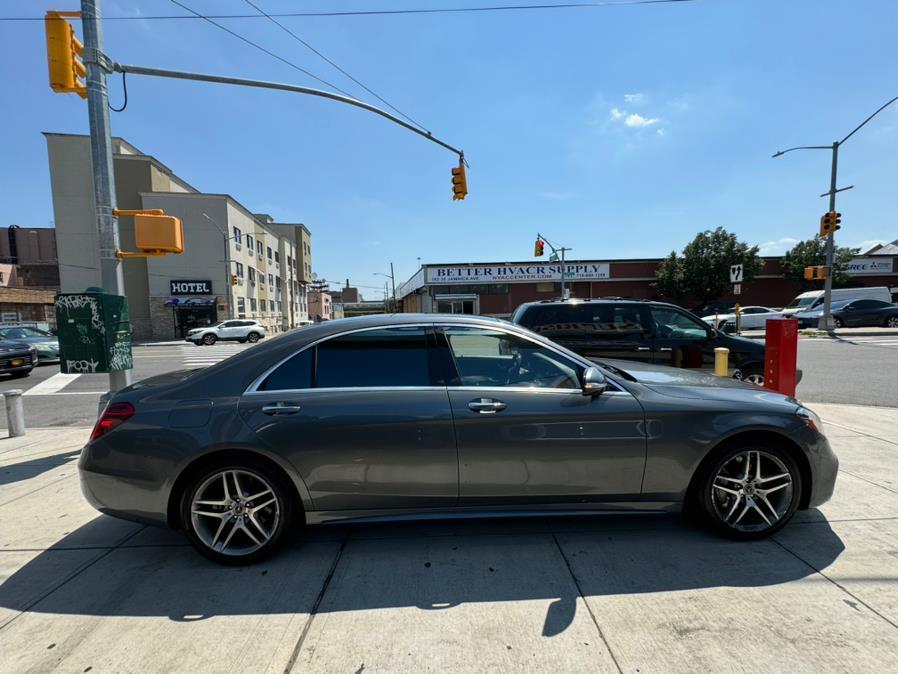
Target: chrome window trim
254	386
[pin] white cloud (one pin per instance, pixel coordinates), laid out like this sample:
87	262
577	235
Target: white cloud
660	132
777	247
637	121
636	99
617	113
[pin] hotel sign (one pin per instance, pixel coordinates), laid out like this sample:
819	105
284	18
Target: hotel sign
516	273
190	287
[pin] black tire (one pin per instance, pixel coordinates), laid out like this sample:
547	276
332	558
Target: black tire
838	322
753	374
892	322
252	337
718	509
209	339
280	520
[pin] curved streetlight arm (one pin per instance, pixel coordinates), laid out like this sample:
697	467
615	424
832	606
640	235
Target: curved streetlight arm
858	127
802	147
239	81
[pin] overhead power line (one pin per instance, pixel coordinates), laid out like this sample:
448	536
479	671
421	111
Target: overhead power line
307	45
261	48
381	12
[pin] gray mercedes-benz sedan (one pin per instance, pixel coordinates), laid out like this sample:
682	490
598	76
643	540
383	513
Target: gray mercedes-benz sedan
422	415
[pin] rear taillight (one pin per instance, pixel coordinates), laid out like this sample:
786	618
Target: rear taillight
113	416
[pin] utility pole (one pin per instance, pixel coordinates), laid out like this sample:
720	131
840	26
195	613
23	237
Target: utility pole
227	261
96	61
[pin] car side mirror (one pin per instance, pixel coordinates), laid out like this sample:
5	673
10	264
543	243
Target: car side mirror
594	382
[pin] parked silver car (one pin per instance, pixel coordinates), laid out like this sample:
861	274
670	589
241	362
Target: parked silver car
242	330
414	414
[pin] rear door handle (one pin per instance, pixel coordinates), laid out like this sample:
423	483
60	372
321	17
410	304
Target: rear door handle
665	348
643	348
486	405
281	408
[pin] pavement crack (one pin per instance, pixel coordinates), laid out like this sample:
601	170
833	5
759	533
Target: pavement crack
863	479
836	583
854	430
297	648
592	615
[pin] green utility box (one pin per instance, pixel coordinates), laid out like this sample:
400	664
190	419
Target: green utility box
94	332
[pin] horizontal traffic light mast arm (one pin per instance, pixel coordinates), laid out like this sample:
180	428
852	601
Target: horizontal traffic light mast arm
262	84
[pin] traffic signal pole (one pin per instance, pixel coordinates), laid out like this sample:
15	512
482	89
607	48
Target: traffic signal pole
825	322
112	279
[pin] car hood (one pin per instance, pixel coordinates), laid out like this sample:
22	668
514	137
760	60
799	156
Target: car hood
682	383
9	346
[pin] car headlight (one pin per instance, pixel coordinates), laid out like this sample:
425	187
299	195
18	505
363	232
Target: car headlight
810	419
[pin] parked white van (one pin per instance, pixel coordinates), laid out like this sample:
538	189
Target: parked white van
814	298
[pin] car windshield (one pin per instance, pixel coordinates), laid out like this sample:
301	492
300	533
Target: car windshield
801	302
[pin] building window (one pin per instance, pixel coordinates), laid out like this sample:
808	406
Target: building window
241	307
280	307
269	252
252	304
252	274
239	269
289	261
238	235
277	257
259	248
270	280
249	241
270	305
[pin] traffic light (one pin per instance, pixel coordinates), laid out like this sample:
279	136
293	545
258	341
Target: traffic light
459	182
233	279
817	273
67	72
538	248
829	223
155	233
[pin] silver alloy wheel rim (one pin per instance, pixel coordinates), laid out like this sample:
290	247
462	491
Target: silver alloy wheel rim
752	491
235	512
253	337
208	339
753	378
893	322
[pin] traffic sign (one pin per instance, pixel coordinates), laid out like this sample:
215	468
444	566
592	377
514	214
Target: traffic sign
735	273
737	289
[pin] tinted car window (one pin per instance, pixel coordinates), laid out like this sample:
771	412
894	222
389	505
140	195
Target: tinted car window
593	319
486	357
388	357
673	324
296	373
869	304
13	333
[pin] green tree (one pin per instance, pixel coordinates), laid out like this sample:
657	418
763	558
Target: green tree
811	253
703	269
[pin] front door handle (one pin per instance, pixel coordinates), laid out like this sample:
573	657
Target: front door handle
486	405
281	408
665	348
642	348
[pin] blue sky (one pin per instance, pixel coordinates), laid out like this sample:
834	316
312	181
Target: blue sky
617	131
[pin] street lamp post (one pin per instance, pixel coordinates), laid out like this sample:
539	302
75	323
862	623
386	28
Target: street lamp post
227	261
826	319
392	278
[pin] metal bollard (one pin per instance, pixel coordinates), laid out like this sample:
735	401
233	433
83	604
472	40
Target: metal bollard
15	412
722	361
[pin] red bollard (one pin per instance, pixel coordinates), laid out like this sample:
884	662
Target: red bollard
781	355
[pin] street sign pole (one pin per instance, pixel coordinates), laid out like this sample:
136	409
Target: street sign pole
111	275
826	319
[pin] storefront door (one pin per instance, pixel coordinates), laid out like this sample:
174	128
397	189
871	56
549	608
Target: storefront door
458	304
194	316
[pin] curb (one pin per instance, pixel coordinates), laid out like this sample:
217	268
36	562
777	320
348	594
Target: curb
834	335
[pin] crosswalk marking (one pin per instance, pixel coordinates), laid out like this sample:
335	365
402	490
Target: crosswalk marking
873	341
205	356
52	384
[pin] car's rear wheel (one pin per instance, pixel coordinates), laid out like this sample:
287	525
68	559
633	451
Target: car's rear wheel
253	337
209	339
753	375
238	513
750	491
892	322
838	322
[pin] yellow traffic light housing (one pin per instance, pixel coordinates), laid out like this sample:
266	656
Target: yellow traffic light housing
67	72
829	223
459	182
155	233
817	273
538	248
233	279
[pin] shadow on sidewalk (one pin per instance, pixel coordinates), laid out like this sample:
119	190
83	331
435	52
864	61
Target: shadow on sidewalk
432	567
29	468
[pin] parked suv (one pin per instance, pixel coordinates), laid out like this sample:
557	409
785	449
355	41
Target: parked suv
237	330
654	332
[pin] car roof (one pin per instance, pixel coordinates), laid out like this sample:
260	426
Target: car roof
598	300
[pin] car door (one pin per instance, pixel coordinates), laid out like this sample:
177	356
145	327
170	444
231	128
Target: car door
364	418
863	313
228	330
525	432
679	339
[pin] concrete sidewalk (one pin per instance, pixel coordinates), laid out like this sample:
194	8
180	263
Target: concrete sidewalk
841	333
83	592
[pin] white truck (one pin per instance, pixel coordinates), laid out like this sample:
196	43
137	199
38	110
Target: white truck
814	298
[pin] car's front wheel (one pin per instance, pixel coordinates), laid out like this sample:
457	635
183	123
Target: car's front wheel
237	513
892	322
209	339
753	374
750	491
253	337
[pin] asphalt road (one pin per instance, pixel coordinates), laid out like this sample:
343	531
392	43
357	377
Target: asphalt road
861	372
